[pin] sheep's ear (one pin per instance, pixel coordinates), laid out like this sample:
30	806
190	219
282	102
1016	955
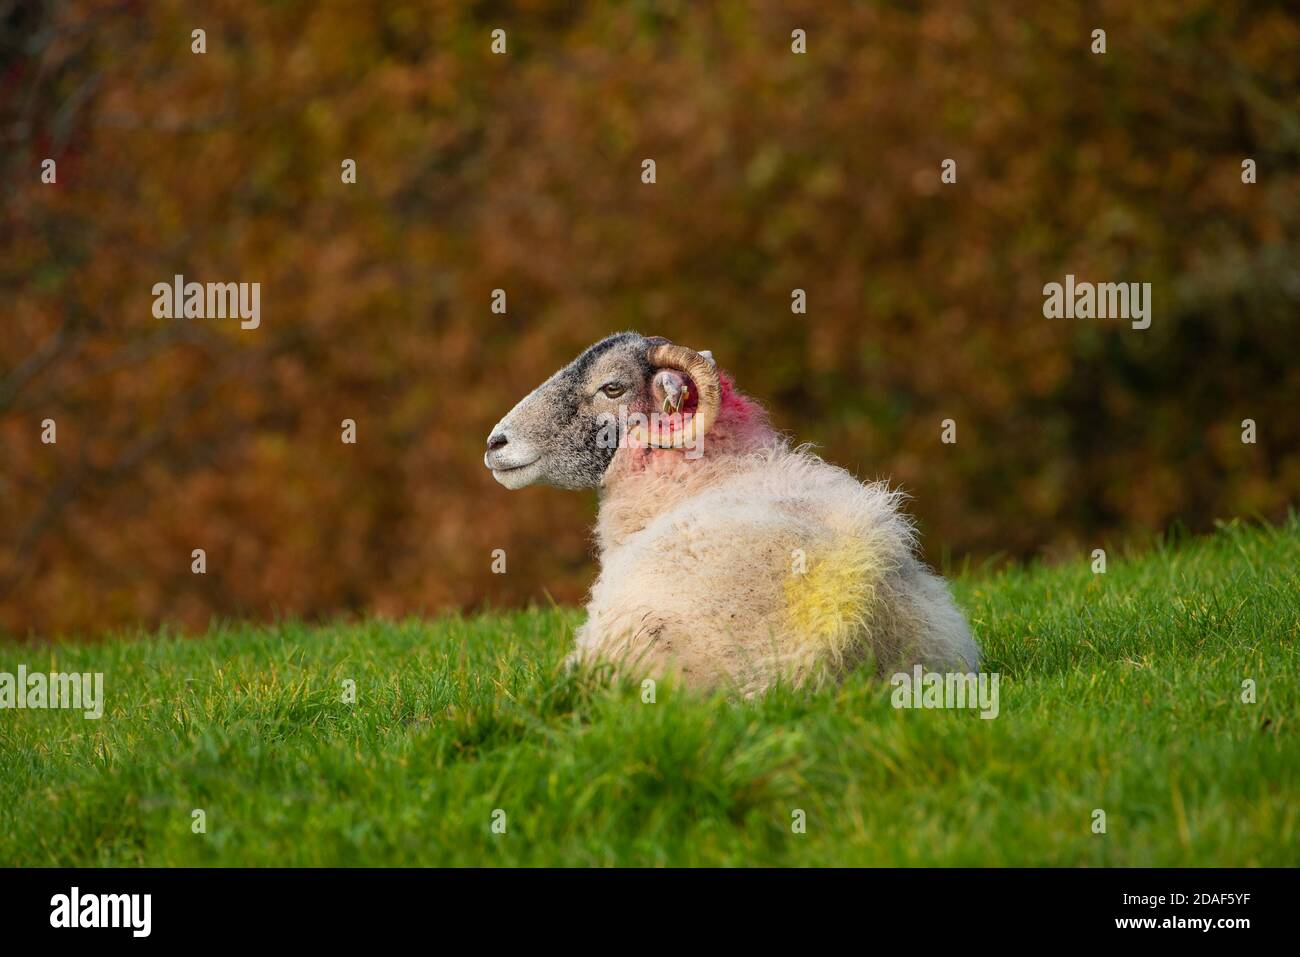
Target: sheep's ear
708	354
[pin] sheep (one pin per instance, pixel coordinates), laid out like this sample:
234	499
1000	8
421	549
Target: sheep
728	558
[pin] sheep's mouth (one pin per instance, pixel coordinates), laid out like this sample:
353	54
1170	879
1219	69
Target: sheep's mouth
513	468
516	476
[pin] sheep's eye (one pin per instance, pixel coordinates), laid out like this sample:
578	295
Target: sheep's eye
612	389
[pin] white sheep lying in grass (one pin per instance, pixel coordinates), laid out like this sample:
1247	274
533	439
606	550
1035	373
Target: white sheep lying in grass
727	557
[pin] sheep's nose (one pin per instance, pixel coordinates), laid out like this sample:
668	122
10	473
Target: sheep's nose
496	440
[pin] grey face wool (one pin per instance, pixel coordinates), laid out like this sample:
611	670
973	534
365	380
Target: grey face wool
558	434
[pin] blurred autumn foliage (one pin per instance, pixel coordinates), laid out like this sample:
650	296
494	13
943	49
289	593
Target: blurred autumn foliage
522	171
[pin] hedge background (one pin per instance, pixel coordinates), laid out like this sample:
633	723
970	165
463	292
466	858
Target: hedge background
522	171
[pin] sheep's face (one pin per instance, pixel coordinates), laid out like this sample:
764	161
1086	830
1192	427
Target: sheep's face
566	431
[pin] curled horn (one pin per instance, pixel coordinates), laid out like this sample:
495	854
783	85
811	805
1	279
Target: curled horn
704	373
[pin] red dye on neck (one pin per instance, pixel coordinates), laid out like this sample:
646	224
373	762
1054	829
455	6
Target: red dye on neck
736	407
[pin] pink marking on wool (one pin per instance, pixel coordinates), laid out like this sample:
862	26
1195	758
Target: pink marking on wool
737	407
741	425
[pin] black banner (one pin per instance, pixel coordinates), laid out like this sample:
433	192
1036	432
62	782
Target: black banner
331	907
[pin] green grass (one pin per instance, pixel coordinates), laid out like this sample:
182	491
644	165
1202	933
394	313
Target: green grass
1119	691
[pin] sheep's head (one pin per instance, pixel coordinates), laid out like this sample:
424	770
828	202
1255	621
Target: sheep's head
627	390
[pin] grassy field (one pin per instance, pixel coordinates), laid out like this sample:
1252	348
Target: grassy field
1120	692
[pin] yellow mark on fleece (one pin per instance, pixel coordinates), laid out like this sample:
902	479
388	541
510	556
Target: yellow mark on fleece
830	604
